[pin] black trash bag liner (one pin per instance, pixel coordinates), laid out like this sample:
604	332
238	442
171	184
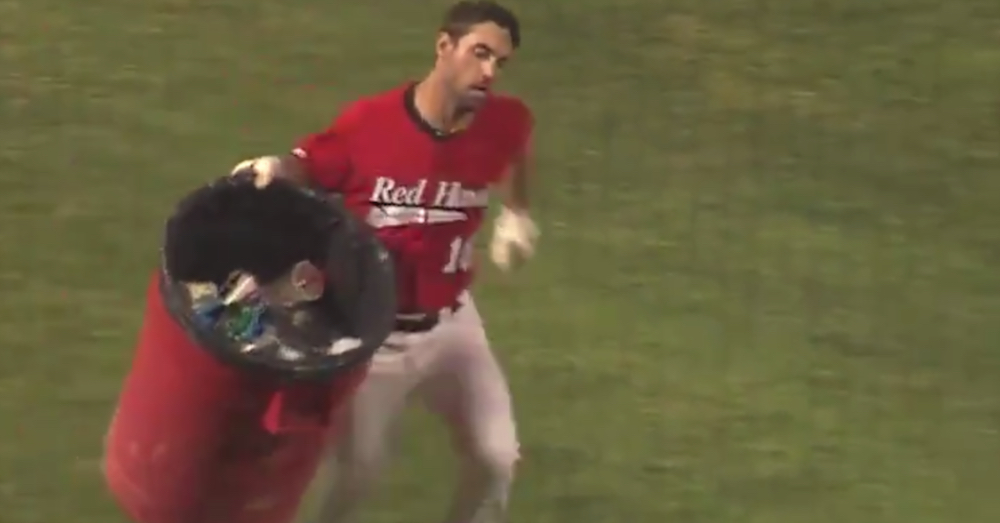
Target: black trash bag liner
229	226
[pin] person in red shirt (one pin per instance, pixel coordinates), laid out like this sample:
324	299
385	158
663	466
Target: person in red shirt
418	163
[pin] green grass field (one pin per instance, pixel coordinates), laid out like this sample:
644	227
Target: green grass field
769	284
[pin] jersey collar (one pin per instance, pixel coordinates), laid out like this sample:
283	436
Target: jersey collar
410	104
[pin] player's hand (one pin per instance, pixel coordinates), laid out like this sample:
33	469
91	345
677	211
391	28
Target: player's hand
263	169
514	237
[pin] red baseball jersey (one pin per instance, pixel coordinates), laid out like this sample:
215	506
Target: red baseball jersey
424	192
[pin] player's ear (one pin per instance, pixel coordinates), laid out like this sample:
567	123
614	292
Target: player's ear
445	44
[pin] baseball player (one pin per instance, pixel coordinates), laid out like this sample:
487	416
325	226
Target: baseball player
418	163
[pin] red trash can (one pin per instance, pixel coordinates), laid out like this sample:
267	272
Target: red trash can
205	432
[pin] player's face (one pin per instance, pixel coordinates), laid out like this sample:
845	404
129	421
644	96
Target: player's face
472	63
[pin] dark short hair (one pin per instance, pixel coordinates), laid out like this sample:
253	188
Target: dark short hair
462	16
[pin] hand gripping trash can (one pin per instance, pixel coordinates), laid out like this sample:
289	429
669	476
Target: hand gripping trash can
260	321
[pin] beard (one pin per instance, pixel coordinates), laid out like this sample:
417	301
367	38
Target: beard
471	99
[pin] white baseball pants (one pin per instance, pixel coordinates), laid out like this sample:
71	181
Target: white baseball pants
452	370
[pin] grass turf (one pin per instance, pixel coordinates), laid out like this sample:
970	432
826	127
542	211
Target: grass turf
768	283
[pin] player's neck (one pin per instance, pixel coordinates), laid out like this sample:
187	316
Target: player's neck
437	107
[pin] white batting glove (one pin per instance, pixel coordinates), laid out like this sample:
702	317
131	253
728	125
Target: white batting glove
264	169
514	236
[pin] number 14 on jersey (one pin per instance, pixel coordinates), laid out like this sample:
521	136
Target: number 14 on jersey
460	255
